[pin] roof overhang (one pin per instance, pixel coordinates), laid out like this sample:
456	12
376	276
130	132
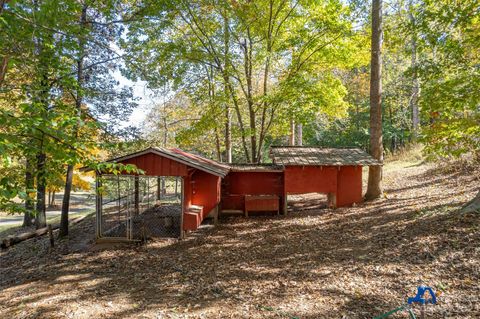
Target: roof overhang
257	168
191	160
320	156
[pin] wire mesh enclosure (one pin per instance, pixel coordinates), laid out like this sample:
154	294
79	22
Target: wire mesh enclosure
139	207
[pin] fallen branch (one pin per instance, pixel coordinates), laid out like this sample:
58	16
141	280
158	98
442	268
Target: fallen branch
12	240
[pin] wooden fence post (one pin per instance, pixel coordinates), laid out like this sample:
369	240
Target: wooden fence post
137	196
332	200
215	216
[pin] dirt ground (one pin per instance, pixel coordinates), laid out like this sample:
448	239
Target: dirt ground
347	263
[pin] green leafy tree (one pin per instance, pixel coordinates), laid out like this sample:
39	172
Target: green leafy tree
57	107
246	57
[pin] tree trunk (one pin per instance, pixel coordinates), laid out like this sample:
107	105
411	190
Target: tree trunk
248	66
231	91
78	106
5	58
41	218
253	135
415	87
299	135
3	69
374	188
29	203
266	73
228	135
66	203
228	125
291	140
393	143
217	145
472	206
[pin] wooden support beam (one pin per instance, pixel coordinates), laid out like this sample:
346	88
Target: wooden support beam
137	195
159	197
332	200
215	216
183	208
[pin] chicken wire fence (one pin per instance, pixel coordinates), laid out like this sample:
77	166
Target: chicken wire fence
139	207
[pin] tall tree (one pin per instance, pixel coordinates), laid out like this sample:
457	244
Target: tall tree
228	117
41	118
299	134
265	54
415	81
96	93
29	203
374	188
78	106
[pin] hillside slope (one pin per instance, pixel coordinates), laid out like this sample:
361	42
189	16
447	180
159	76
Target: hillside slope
346	263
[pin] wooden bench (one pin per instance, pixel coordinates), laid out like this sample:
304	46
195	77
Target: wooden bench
262	203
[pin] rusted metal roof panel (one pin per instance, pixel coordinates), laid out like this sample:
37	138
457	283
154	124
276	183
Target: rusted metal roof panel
311	156
220	169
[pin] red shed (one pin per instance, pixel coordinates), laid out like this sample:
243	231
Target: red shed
201	179
253	187
333	171
244	188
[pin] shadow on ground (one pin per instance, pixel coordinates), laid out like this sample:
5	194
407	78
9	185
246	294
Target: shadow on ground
348	263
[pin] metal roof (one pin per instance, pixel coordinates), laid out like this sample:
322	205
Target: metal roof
204	163
189	159
311	155
256	168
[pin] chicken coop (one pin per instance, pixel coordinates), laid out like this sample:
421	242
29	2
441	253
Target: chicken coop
179	190
176	193
139	207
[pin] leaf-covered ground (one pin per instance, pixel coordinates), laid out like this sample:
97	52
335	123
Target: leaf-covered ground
347	263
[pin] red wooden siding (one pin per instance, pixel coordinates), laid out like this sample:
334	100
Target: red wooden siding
254	183
310	179
205	191
187	192
201	189
156	165
349	185
238	184
344	181
262	203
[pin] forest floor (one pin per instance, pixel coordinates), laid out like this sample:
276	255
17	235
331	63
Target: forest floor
353	262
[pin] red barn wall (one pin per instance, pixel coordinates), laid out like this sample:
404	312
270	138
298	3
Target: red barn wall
202	189
238	184
156	165
187	192
310	179
205	190
349	185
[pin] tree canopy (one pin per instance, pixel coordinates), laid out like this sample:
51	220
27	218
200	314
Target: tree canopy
231	78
